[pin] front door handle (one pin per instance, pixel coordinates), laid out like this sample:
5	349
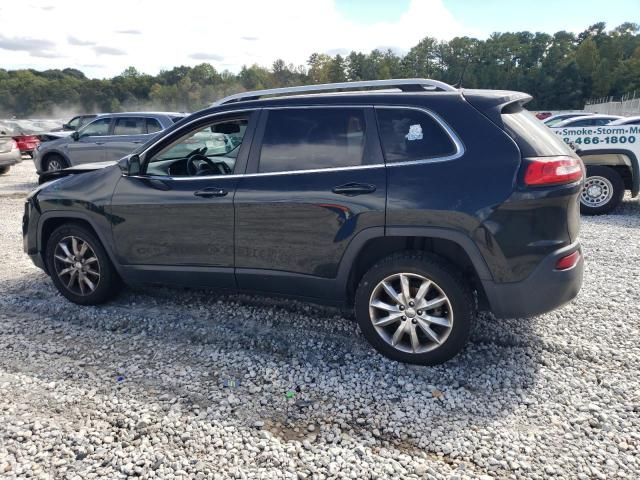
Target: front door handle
352	189
99	143
211	192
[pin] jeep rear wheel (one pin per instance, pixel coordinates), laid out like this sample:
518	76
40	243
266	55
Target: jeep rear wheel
414	308
603	190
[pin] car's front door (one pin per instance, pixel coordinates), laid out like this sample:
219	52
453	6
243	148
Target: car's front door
316	181
174	223
89	147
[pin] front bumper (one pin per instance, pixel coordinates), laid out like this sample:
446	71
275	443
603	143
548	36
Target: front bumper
545	289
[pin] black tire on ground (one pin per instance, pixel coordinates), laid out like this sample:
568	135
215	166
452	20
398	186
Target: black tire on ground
5	169
599	177
107	284
54	160
447	280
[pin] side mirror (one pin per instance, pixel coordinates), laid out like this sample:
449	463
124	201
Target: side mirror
75	135
134	165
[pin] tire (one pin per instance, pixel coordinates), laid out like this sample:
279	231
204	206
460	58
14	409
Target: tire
603	190
454	315
5	169
56	161
106	283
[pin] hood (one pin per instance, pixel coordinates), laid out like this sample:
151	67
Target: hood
84	168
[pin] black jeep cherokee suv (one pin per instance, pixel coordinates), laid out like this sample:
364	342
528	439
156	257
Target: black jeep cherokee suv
415	205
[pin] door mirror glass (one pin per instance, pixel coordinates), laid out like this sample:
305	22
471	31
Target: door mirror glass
133	165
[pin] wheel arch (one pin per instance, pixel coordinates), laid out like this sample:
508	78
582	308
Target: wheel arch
48	154
633	164
49	221
373	244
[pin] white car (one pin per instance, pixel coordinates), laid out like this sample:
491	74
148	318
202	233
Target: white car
587	121
561	117
627	121
611	154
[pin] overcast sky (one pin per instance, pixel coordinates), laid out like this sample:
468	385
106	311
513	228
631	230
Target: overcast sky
103	38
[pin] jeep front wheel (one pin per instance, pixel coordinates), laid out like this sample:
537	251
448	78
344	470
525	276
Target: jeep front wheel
414	308
602	192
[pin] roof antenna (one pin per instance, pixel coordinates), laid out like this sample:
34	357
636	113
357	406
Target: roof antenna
464	69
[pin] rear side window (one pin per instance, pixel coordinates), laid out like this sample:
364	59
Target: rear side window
409	135
533	137
305	139
153	125
130	126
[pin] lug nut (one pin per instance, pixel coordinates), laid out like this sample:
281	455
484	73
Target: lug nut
403	318
419	312
401	307
414	321
411	304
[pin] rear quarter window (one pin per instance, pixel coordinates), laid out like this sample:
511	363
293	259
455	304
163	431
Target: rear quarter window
532	136
409	135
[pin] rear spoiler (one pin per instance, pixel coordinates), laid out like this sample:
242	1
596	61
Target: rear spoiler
492	103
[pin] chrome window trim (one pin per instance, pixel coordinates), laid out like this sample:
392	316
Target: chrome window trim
460	150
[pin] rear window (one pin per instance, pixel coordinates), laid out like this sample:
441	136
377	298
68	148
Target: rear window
533	137
130	126
409	135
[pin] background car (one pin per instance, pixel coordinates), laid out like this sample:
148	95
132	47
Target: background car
9	153
78	122
627	121
554	119
108	137
588	121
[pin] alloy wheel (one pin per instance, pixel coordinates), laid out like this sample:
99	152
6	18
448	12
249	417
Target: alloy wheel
411	312
53	165
77	265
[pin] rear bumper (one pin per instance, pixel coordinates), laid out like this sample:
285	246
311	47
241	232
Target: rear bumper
545	289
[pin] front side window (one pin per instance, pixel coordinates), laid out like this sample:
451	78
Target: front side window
209	149
315	138
409	135
98	128
130	126
74	122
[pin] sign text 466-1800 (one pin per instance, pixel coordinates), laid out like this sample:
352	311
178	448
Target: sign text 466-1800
600	135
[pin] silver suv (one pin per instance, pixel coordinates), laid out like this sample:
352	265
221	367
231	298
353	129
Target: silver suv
107	138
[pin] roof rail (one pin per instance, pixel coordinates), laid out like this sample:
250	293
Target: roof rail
404	84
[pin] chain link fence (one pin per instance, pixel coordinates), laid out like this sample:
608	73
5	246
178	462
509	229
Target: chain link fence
627	106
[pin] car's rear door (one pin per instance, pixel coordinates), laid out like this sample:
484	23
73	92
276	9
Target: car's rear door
128	133
316	181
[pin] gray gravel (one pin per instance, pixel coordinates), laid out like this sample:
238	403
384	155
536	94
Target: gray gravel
192	384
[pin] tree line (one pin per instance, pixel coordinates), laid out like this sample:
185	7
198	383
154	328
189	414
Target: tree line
561	71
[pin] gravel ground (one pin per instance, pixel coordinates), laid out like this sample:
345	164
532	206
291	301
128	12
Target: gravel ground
190	384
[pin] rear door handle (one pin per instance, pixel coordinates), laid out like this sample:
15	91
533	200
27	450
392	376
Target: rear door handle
210	192
352	189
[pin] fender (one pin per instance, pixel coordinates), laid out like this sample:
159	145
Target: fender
63	214
357	244
49	152
635	165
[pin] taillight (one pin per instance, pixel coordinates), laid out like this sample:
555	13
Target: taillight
568	261
552	170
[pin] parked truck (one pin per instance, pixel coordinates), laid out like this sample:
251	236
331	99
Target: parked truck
611	154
